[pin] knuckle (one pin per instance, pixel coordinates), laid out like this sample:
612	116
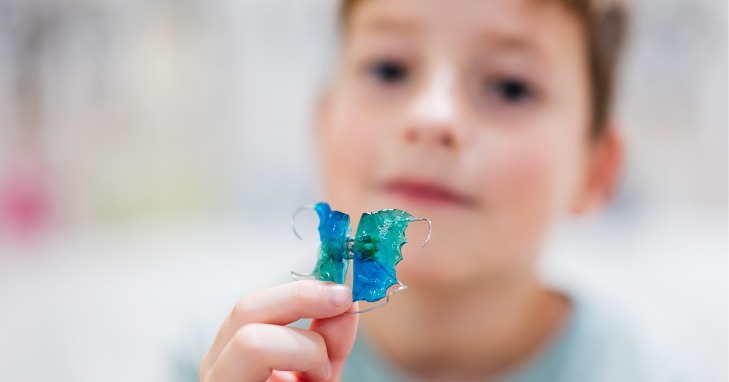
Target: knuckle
321	347
305	293
320	343
249	342
299	292
315	345
242	308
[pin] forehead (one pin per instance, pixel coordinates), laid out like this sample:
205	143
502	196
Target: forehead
534	25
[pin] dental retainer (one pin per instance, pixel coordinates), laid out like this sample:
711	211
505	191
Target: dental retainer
374	251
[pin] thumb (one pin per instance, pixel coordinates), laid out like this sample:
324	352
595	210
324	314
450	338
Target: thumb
339	333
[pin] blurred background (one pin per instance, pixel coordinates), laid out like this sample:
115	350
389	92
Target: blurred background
151	152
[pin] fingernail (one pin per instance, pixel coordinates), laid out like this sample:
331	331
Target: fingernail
338	295
328	371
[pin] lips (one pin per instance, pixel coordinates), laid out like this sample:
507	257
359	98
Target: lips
426	192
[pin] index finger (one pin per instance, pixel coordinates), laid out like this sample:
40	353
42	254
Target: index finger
282	305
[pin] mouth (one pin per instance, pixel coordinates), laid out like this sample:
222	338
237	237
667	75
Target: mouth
423	192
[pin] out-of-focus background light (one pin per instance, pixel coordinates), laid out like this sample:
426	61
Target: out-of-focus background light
152	151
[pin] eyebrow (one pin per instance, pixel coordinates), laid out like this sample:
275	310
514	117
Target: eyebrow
502	40
391	24
509	42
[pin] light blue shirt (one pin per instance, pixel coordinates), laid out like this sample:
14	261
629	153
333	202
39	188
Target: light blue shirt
594	345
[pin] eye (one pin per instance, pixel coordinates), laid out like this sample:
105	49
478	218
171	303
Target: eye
510	90
388	71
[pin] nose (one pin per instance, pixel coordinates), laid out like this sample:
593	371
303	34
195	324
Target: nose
432	116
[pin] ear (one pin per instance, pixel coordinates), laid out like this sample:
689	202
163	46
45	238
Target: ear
605	159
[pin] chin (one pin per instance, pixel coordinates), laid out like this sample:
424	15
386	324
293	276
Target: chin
421	268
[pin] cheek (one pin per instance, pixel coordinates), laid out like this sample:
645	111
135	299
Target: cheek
519	192
518	174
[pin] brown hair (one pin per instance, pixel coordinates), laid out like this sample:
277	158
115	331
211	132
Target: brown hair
605	23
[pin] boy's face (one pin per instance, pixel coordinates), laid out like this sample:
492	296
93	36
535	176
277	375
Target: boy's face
474	114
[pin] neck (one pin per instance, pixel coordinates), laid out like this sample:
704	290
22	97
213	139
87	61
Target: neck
475	330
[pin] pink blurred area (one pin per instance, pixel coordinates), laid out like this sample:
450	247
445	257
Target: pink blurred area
25	205
151	153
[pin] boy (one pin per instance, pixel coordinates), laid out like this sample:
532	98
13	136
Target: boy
491	118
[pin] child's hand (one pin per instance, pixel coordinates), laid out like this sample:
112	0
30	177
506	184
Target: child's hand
254	345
